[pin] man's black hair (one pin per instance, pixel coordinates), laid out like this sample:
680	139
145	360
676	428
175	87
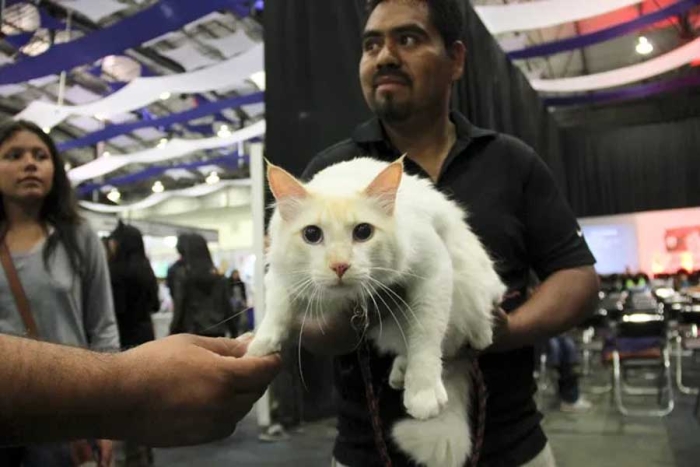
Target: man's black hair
445	15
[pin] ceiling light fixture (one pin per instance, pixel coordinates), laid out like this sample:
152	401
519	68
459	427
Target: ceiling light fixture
114	195
213	178
158	187
644	47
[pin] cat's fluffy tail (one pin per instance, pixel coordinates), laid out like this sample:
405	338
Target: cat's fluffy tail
443	441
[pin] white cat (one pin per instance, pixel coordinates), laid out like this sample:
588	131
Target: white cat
358	228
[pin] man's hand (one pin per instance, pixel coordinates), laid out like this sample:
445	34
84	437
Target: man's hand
187	389
501	330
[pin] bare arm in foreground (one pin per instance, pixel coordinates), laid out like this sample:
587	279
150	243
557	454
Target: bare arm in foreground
176	391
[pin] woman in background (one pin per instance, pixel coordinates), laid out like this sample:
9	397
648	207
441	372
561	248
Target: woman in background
239	300
201	297
60	264
135	291
134	285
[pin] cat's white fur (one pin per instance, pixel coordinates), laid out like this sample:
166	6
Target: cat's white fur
422	243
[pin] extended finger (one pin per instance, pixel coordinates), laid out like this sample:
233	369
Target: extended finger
223	345
253	374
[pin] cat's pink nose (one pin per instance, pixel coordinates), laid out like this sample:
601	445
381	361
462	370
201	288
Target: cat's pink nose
340	268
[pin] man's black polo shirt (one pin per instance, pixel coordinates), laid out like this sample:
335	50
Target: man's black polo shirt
515	208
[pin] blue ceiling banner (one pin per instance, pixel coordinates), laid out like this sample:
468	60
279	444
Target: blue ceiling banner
152	22
229	160
149	121
631	92
584	40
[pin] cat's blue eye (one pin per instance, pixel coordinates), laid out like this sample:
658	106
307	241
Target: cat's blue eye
312	234
362	232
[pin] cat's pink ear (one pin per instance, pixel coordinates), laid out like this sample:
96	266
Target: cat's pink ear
286	189
385	186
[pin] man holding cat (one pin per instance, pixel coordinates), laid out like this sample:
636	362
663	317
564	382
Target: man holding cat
411	56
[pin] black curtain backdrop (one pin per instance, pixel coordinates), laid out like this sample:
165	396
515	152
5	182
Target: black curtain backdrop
635	168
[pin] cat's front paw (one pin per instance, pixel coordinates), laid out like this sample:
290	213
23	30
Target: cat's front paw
263	345
398	373
424	400
482	339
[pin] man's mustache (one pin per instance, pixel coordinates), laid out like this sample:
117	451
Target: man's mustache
398	75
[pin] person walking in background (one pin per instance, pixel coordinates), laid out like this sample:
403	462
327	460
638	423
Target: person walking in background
135	291
54	284
201	298
239	300
134	286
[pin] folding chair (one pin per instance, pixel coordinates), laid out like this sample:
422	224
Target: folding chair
640	342
686	338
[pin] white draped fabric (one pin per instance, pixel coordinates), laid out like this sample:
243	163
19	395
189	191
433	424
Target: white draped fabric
172	150
94	10
157	198
630	74
544	13
143	91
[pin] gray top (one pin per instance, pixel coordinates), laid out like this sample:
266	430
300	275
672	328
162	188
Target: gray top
68	308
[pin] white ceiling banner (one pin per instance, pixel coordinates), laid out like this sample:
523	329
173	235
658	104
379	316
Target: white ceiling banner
94	10
142	91
233	44
157	198
630	74
544	13
174	149
189	57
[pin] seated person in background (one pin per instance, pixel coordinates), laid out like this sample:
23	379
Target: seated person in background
563	355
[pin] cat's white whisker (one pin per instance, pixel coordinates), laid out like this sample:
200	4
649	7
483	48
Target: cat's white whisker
401	273
301	334
394	294
398	322
379	313
235	315
408	307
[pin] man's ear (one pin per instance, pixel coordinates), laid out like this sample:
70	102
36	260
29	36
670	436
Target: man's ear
458	54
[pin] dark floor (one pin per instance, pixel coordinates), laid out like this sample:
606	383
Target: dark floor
599	438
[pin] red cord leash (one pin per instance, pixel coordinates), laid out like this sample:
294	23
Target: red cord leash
363	354
373	404
360	322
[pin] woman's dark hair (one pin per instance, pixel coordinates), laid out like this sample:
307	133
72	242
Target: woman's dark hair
197	256
129	259
59	209
445	15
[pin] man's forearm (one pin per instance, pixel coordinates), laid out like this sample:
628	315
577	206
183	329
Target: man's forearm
52	392
561	302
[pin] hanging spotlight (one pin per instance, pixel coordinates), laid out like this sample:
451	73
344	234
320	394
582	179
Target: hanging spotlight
47	129
158	187
644	47
114	195
67	167
106	154
165	96
213	178
162	142
224	131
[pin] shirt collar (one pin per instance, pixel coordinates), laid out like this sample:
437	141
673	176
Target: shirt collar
372	130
